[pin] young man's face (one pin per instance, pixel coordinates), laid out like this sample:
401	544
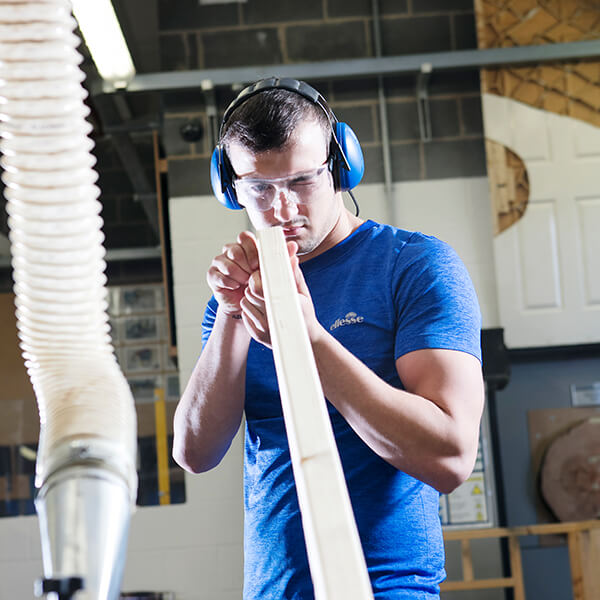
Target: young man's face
307	206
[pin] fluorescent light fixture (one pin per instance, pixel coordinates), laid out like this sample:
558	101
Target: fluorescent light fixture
103	37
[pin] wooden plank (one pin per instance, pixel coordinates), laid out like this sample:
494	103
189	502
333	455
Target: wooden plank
19	417
160	166
467	560
591	554
477	584
541	529
584	555
162	447
473	534
516	567
335	555
575	559
498	175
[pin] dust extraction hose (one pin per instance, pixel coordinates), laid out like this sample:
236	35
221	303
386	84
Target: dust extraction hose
86	455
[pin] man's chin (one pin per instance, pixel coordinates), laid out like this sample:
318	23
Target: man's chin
306	247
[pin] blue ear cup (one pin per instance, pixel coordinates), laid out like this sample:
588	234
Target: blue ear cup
350	146
221	181
346	143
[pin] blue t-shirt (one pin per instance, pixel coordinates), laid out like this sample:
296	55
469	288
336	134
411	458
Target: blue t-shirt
382	292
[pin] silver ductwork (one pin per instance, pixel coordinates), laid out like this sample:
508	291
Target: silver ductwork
85	473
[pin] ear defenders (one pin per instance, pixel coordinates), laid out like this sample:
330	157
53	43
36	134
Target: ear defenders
345	156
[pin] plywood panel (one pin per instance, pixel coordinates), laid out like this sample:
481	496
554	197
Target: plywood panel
526	22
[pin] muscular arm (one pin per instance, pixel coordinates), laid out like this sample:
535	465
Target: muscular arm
210	410
430	430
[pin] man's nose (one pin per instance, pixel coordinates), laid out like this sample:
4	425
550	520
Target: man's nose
284	207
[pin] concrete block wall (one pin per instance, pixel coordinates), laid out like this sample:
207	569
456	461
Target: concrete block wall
125	223
171	548
263	33
456	150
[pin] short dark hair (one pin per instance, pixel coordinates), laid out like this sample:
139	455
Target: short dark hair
266	120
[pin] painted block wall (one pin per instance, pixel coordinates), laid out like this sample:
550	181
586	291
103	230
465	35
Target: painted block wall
192	549
195	549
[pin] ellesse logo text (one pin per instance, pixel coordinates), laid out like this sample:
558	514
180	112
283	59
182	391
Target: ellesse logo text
350	319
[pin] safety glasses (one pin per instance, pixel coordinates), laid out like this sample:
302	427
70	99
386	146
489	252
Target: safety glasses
261	194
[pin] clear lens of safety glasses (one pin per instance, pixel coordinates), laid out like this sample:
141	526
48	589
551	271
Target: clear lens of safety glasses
260	194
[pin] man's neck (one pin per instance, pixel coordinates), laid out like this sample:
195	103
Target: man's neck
346	224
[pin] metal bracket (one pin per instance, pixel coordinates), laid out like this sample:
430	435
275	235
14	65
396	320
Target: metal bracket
60	588
423	101
208	89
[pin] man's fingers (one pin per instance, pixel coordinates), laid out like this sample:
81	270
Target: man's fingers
292	248
218	281
255	285
247	241
236	254
254	313
229	272
230	268
299	276
255	322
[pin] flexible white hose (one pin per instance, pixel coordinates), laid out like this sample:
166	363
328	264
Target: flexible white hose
56	241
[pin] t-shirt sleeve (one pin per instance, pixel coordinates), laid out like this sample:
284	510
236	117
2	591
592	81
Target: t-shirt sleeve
435	299
208	321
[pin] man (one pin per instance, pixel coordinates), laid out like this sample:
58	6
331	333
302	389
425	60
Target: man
394	326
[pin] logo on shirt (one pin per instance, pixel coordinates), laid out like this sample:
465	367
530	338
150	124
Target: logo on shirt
350	319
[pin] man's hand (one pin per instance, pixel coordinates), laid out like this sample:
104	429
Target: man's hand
229	272
315	329
234	276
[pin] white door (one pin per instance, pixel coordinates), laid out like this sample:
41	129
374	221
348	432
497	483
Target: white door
548	263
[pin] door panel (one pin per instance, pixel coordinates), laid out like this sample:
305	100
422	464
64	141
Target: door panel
548	262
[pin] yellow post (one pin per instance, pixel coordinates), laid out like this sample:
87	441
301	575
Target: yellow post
162	450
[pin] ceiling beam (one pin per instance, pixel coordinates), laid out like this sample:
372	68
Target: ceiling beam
365	67
114	111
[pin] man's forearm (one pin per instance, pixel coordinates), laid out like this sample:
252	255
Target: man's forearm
430	433
210	410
